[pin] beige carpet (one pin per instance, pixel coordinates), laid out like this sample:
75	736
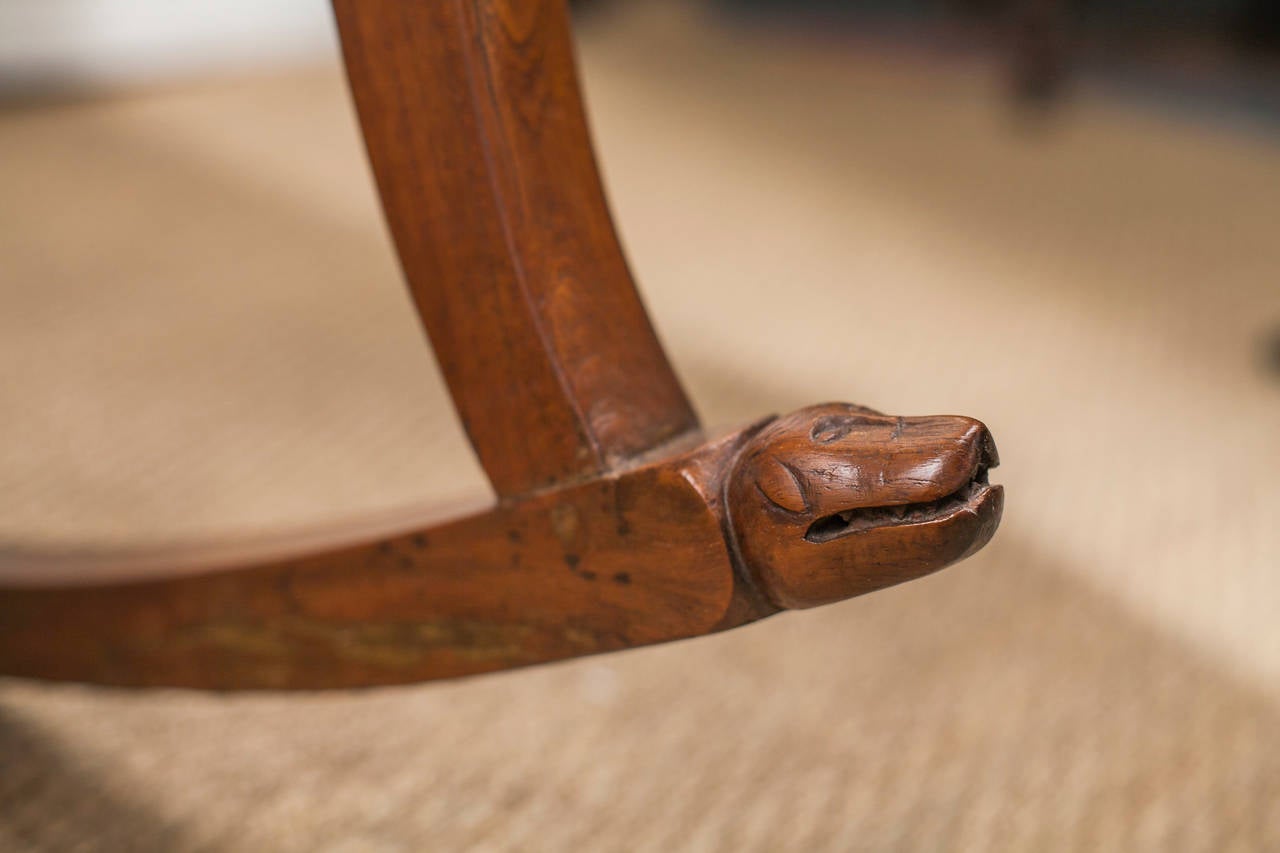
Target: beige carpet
202	332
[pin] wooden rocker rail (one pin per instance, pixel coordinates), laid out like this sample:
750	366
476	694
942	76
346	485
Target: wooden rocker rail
619	522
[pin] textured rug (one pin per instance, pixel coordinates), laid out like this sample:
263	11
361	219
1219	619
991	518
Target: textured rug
202	333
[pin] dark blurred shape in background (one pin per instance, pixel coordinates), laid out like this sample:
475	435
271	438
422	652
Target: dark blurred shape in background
1215	55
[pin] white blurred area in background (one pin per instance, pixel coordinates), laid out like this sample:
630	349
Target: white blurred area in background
70	43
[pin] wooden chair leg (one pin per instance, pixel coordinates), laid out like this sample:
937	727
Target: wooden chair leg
619	522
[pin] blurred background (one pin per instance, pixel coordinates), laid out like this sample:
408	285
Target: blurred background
1058	217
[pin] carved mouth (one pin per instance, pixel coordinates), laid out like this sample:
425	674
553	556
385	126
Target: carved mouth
851	521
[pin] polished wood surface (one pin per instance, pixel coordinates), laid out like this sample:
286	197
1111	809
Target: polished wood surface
839	500
821	505
625	560
619	521
475	129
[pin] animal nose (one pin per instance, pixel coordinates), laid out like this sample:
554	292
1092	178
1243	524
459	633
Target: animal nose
935	455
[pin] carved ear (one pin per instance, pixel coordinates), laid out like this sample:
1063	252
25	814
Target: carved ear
781	485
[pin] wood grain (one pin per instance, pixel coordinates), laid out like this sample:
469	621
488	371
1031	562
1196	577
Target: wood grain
475	128
821	505
619	523
620	561
836	500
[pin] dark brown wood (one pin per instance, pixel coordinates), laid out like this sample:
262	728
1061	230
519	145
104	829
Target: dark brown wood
475	129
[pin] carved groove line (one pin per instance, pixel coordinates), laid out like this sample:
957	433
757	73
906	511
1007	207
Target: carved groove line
482	77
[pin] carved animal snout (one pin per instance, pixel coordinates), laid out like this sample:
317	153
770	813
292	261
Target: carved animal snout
838	500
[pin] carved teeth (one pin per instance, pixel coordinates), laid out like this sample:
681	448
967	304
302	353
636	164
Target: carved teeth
866	518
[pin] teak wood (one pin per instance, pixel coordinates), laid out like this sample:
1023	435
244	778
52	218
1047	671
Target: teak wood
619	521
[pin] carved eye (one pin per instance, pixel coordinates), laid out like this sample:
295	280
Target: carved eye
781	485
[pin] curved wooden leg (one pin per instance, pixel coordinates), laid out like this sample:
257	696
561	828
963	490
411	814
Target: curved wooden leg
476	133
619	523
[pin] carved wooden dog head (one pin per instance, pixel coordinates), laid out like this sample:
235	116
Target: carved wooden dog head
838	500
